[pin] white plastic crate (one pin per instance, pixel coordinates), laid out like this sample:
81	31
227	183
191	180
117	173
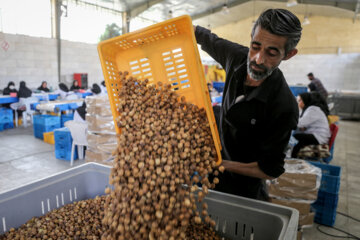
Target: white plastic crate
235	217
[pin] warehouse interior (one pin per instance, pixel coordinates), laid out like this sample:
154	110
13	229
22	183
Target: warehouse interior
59	41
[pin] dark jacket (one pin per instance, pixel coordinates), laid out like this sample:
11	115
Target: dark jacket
24	92
258	127
7	90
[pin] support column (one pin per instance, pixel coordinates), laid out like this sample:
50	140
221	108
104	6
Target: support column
55	30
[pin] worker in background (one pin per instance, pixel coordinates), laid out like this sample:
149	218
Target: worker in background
24	91
64	92
75	86
313	126
10	89
316	86
103	88
44	87
258	110
80	112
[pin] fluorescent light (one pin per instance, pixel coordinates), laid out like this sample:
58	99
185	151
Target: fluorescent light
291	3
306	21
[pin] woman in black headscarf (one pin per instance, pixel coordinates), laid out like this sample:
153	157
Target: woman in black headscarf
63	87
313	126
95	89
10	88
75	86
43	87
24	92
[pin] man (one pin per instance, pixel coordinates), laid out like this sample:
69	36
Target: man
258	109
317	86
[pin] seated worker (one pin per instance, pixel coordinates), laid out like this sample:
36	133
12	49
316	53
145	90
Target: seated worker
10	89
258	111
64	92
103	88
43	87
96	90
80	113
24	91
313	126
75	86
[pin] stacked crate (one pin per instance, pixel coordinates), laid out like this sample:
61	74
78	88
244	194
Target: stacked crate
6	119
63	144
66	117
328	196
101	136
45	123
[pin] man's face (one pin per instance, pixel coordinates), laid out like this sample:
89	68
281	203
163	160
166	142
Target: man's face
311	77
266	52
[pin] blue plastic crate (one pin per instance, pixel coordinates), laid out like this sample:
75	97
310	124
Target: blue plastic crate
326	200
325	217
325	207
6	115
65	118
63	143
62	136
4	126
40	129
65	154
46	120
296	90
219	86
330	180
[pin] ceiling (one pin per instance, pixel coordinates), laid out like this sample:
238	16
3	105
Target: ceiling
210	13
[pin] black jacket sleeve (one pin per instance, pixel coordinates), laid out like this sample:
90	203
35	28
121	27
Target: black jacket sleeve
275	142
223	51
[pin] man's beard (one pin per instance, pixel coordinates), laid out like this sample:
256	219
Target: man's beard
257	75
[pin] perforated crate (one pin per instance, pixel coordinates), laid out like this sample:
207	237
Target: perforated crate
63	144
46	119
330	179
235	217
165	52
8	125
66	117
325	208
49	137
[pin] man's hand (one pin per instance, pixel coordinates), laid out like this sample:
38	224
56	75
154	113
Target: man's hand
248	169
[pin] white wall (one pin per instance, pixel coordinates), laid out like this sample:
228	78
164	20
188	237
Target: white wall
336	72
34	60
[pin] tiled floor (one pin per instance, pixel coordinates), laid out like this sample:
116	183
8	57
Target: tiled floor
346	155
24	158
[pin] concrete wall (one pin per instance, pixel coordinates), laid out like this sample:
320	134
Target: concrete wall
329	47
34	60
337	72
322	35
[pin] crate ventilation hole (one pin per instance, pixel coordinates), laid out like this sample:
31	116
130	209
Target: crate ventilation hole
57	201
237	229
4	224
176	69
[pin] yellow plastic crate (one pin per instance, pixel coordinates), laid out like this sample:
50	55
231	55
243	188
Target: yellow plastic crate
49	137
165	52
